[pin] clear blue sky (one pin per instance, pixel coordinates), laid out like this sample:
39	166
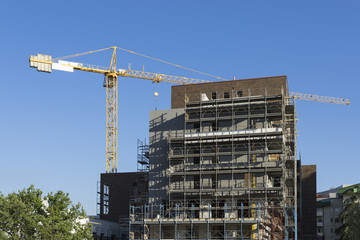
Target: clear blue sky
52	126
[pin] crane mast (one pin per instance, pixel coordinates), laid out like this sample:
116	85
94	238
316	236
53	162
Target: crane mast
45	63
111	84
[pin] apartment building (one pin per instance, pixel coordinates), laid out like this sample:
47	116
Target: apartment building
330	204
222	164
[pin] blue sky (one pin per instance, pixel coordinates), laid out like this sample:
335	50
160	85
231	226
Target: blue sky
52	126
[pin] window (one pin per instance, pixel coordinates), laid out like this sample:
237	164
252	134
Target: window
106	199
226	95
106	189
213	95
277	182
214	127
239	94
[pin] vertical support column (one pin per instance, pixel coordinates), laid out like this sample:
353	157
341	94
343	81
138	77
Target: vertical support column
266	177
208	237
258	221
160	218
215	185
295	173
251	123
248	149
242	220
290	206
170	152
175	232
200	153
143	217
296	230
209	210
191	230
177	211
192	215
286	224
225	233
130	219
232	153
184	161
208	223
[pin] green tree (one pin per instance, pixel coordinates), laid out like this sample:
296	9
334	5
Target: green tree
350	218
29	215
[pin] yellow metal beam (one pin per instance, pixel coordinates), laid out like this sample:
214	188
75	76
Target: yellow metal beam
156	77
317	98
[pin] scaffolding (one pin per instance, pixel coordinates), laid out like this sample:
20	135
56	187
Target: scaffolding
142	156
232	170
155	222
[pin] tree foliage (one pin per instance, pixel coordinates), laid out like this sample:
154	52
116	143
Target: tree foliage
350	218
29	215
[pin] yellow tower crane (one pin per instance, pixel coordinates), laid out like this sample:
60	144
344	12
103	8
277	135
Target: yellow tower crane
46	63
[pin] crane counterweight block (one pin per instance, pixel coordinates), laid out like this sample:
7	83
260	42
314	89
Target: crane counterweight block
41	62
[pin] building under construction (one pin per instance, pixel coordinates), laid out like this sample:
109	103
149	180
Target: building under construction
222	161
222	164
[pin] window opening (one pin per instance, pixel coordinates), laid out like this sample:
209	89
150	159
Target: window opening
214	95
106	199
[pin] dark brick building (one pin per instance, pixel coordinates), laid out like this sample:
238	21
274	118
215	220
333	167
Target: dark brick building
308	202
118	191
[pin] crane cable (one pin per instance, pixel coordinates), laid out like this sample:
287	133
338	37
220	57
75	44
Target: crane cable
176	65
81	54
139	54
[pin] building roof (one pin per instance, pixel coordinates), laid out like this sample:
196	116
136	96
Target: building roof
333	190
353	188
248	87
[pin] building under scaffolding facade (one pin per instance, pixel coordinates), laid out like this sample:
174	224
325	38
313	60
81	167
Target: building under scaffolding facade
222	164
